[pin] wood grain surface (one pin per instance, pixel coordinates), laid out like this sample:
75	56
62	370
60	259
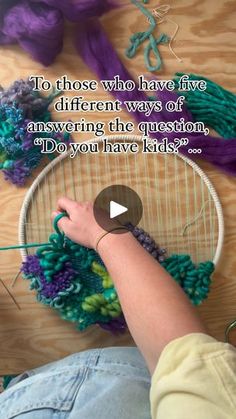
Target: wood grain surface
179	210
206	43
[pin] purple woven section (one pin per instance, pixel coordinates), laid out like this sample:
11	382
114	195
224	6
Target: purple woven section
18	173
115	326
31	266
61	281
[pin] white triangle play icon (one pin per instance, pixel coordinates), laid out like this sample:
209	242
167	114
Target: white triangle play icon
116	209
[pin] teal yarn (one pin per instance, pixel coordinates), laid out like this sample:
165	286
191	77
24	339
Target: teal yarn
73	281
137	39
215	106
20	105
7	379
195	280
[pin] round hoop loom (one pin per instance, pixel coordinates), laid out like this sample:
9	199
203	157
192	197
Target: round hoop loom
181	208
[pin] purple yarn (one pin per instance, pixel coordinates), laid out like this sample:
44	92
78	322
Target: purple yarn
31	266
28	141
115	326
90	39
18	173
61	281
38	26
27	138
78	10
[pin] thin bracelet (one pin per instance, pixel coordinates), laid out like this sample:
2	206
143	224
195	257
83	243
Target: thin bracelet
230	327
108	232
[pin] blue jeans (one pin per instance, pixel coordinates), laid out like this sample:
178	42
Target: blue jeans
111	383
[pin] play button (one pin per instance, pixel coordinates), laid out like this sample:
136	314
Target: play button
117	204
116	209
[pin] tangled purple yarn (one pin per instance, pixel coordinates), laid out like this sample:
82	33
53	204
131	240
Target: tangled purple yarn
38	26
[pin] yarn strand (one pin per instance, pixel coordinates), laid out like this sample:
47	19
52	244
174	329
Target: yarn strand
137	39
215	106
32	245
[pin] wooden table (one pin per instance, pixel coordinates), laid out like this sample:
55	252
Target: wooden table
206	43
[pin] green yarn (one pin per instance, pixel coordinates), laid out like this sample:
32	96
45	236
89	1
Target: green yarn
106	279
109	306
137	39
215	106
23	246
73	280
7	379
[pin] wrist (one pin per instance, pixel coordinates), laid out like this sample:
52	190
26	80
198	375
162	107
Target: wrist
112	239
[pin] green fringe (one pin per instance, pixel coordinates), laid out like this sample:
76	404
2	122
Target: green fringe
215	106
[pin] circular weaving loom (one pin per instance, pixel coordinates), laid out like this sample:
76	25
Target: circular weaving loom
181	212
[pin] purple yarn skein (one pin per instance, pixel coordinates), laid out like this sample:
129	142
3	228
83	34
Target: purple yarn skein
38	26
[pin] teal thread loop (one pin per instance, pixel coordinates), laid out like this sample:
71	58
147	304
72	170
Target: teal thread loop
137	39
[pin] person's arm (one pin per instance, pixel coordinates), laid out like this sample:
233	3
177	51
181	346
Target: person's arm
155	307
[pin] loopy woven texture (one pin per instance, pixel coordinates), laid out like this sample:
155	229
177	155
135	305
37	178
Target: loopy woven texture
73	280
20	105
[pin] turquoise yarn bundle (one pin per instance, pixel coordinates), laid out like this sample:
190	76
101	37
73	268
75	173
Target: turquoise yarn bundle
215	106
137	39
19	105
73	281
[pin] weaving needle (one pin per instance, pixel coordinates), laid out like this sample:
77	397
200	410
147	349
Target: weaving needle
15	279
9	293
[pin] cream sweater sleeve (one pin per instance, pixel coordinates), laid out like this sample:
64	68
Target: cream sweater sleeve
195	379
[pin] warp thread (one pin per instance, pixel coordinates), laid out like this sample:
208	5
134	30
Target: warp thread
73	280
19	105
160	13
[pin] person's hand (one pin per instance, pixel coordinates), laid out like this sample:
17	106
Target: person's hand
80	225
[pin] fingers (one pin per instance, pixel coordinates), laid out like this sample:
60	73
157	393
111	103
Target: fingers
67	204
54	214
64	223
